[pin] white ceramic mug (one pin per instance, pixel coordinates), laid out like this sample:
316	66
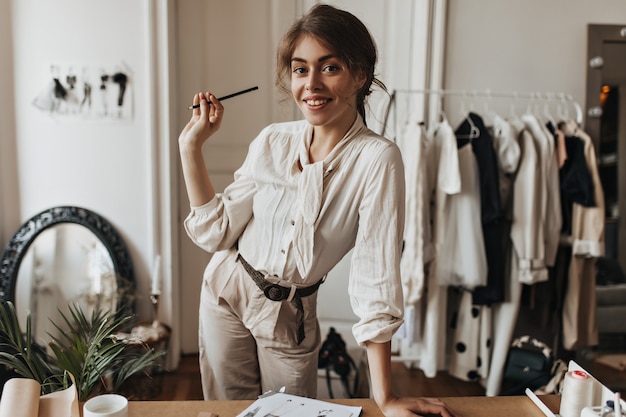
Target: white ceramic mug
597	411
106	405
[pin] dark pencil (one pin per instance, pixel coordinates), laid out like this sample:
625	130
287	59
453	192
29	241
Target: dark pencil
238	93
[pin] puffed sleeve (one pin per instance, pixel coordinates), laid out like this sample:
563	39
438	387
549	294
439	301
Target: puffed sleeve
375	286
218	224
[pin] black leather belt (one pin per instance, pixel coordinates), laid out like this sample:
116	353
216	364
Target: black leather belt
277	292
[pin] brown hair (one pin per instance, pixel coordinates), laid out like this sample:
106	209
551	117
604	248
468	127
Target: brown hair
344	34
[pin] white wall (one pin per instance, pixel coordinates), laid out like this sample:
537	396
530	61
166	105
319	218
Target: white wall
524	46
101	165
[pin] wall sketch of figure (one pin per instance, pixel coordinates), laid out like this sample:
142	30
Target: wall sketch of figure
121	79
86	96
50	98
85	102
88	92
104	79
59	93
71	80
71	98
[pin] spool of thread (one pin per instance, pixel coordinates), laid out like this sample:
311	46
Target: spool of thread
577	393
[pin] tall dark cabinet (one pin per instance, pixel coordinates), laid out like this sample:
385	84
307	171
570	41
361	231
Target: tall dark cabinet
605	121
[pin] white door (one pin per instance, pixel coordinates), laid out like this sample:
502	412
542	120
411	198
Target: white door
228	46
223	47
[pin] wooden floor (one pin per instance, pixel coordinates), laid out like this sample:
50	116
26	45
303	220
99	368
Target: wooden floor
184	383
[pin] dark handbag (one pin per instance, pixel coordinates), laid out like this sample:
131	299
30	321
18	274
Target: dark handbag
333	356
528	365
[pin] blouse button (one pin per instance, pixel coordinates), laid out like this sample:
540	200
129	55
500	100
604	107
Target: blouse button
282	251
293	222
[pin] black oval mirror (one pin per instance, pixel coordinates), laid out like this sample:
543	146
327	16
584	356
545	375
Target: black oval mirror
66	255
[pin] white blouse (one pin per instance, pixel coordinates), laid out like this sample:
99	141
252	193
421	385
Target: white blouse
296	225
461	257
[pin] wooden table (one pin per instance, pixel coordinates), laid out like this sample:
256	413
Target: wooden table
519	406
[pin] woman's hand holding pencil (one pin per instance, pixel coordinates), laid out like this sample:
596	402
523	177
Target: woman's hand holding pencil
238	93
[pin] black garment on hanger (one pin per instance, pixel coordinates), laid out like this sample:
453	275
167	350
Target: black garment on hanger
490	207
576	184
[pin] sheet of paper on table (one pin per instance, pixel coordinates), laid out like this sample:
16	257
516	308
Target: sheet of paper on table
280	404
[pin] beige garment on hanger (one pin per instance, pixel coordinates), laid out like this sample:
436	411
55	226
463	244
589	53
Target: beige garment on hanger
528	210
579	307
561	151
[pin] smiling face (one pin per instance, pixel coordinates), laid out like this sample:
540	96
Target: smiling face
323	87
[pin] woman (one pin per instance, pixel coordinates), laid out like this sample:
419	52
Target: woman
307	193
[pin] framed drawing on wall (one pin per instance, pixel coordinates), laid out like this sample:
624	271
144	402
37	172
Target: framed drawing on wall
91	92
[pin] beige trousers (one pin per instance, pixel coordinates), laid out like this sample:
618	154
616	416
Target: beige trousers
247	342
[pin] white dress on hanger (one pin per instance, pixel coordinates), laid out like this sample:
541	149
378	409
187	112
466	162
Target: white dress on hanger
508	152
549	227
444	181
412	143
461	258
470	349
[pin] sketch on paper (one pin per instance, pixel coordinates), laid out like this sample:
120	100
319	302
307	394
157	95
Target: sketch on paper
87	92
279	404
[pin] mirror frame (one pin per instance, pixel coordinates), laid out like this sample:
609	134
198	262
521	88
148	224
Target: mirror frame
597	36
33	227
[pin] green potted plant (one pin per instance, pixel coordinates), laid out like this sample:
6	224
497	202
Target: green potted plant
87	348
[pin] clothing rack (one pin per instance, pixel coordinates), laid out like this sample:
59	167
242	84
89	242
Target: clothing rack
532	97
430	96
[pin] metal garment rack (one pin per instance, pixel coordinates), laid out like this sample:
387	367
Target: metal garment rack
405	353
531	97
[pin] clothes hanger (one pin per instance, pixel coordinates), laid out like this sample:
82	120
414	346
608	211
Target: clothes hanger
474	131
531	107
441	115
565	109
440	118
578	109
490	114
546	112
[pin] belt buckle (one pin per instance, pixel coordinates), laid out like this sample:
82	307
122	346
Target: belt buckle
276	292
